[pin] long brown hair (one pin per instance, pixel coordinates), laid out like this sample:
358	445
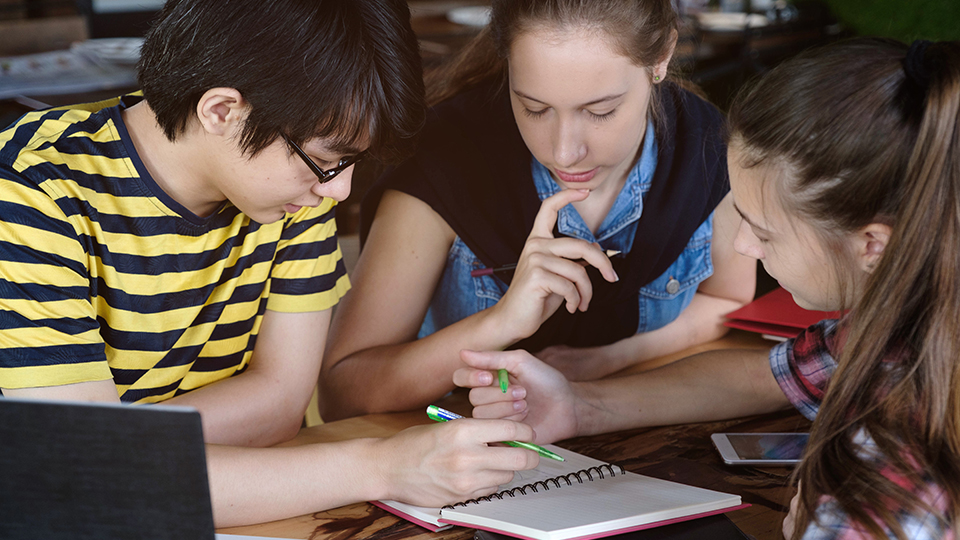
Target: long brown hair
641	30
859	142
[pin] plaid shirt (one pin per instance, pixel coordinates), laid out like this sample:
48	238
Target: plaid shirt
803	367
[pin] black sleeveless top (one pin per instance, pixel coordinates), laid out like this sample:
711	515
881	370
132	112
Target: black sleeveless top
473	168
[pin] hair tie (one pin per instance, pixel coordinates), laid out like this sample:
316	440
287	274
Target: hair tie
913	63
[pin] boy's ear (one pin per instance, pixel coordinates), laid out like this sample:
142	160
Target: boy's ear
221	110
871	241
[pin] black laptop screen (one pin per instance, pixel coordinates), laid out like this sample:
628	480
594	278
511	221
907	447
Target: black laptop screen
87	471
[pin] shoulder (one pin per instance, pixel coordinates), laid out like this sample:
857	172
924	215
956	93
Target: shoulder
78	137
37	129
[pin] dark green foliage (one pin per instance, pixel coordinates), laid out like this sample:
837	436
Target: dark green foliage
905	20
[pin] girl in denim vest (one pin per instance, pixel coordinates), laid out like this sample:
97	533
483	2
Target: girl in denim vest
556	139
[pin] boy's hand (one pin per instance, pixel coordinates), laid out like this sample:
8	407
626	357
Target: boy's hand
450	462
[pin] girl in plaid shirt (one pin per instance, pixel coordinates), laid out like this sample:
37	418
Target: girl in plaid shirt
845	167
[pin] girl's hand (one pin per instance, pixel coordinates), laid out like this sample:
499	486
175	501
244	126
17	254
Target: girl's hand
444	463
550	272
790	520
538	395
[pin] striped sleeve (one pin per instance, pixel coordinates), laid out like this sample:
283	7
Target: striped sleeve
308	273
49	331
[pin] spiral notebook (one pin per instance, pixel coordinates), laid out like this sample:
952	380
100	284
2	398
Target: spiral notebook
580	498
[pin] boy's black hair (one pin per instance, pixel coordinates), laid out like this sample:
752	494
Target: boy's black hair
345	70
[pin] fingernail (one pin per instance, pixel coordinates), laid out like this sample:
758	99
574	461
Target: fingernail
518	393
486	378
518	406
616	277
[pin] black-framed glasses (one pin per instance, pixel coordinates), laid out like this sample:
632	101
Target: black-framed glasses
324	176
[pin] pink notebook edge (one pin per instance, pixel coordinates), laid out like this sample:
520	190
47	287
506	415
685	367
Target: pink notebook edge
428	526
612	532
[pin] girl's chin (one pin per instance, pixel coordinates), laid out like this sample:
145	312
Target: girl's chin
810	306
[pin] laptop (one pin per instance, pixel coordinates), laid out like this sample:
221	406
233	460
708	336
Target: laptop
102	471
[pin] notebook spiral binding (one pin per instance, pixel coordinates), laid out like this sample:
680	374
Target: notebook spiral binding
545	484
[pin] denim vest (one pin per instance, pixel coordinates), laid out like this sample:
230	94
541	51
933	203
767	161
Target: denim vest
458	295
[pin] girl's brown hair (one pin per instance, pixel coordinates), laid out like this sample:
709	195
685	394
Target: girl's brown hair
859	142
642	30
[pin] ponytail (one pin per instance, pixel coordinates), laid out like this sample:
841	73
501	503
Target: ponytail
898	375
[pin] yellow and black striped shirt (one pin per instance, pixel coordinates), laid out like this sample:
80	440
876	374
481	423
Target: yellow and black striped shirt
104	276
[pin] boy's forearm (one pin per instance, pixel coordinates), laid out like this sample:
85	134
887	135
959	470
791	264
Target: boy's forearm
256	485
248	409
265	404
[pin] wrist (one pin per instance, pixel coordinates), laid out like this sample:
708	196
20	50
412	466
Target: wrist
502	332
589	414
375	461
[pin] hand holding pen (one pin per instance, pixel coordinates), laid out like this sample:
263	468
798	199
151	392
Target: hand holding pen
538	395
442	415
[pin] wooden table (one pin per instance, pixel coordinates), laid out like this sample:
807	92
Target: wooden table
681	453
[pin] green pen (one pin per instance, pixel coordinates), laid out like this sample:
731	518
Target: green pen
442	415
504	380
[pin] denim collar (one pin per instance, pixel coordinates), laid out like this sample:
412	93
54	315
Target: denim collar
627	207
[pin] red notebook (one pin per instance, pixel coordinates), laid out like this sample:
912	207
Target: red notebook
776	316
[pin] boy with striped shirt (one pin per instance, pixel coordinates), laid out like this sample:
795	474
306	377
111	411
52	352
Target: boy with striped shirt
179	245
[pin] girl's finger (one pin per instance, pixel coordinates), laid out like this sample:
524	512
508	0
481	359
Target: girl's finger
547	215
575	250
503	410
487	395
472	378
